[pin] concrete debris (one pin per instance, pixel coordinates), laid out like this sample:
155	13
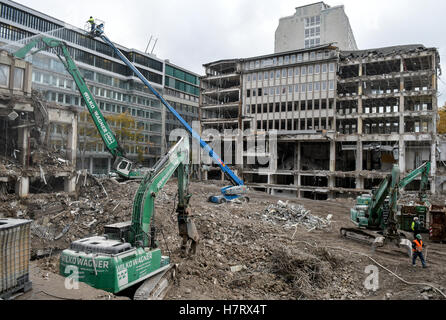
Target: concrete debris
246	250
383	52
293	215
236	268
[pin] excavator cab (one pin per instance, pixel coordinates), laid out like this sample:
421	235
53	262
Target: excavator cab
123	166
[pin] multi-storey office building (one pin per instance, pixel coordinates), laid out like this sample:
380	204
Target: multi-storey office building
314	25
115	87
338	114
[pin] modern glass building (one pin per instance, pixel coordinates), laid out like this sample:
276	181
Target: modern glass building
117	90
181	89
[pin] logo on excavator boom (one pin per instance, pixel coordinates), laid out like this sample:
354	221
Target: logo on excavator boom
99	120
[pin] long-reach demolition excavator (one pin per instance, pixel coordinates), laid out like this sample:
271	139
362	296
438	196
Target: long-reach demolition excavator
123	166
378	212
238	189
128	254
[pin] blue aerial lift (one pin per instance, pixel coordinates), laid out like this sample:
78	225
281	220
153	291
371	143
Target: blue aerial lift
228	193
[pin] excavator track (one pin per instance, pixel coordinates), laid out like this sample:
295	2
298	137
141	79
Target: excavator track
156	287
375	239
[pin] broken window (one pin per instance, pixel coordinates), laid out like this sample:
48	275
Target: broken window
4	75
18	78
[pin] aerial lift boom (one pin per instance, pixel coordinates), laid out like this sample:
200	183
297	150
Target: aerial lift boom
122	165
228	192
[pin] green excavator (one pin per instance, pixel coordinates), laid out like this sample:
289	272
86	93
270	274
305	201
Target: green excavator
375	215
127	254
123	166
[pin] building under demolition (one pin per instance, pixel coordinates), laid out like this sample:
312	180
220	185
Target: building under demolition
342	118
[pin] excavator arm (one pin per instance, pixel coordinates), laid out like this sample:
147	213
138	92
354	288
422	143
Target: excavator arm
143	230
121	164
422	171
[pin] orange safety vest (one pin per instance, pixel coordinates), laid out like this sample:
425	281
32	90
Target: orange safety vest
418	245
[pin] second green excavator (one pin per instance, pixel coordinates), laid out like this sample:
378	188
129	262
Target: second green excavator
375	215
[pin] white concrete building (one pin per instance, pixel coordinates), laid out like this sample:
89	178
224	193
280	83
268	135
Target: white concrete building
314	25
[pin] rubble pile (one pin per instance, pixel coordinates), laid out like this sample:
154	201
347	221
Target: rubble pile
311	271
59	219
48	157
246	250
292	215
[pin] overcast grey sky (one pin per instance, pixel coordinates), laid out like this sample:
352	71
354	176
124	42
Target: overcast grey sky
193	32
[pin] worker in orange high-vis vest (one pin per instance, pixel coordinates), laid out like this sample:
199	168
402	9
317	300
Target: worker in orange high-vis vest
417	250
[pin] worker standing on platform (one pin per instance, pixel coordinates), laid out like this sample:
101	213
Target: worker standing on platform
415	227
93	24
417	250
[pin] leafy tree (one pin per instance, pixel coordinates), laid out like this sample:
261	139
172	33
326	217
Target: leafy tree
125	128
441	125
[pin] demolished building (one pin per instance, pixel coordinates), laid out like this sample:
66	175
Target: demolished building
339	116
31	162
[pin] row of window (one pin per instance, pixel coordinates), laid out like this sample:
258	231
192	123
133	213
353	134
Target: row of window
312	32
13	33
68	84
42	25
290	72
251	65
181	107
312	42
68	99
181	95
182	86
288	106
312	21
129	149
299	88
26	19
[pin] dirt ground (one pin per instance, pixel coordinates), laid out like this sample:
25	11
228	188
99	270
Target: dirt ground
272	260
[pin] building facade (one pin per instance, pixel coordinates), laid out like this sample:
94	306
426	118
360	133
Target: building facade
117	90
337	117
182	92
314	25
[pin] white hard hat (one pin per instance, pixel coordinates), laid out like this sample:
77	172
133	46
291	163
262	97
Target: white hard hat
416	218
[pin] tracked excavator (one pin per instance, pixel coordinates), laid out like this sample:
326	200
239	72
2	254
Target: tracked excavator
375	215
128	253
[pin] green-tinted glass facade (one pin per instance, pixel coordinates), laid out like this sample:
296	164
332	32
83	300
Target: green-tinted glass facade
181	86
182	81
